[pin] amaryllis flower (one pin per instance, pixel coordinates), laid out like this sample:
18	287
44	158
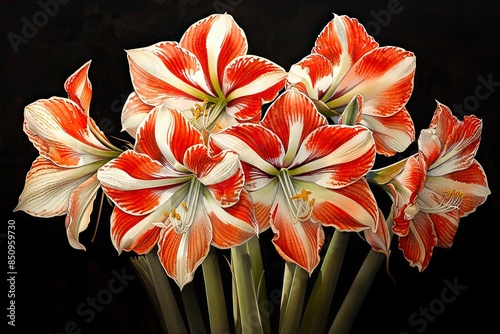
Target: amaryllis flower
346	61
303	173
63	179
207	75
437	186
169	191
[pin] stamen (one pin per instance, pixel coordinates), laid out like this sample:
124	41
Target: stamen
303	205
452	199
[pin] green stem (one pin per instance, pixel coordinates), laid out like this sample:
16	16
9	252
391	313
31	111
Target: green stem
245	289
285	293
192	309
293	311
319	304
216	302
170	313
259	282
362	282
357	293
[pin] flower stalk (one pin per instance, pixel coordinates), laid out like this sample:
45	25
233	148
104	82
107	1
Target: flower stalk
216	302
318	306
245	290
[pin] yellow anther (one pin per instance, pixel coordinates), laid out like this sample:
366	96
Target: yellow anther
175	215
312	202
304	195
184	205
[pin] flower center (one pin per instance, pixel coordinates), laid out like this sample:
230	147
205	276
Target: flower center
178	221
300	203
303	205
182	216
452	199
205	115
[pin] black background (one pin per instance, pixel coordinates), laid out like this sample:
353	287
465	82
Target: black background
456	46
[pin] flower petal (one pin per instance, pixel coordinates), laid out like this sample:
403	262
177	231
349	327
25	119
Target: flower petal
249	82
445	226
134	175
392	134
334	156
133	113
292	117
343	41
181	253
379	240
79	88
59	129
167	73
135	233
384	77
215	40
313	75
234	225
81	204
297	242
48	187
221	173
458	141
351	208
165	135
418	244
263	199
255	145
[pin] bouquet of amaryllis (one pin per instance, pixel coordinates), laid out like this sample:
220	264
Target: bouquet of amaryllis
227	146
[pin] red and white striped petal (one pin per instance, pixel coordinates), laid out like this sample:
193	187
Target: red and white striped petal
468	186
384	77
165	135
255	145
135	233
263	199
133	113
445	226
313	76
79	88
181	253
221	174
59	129
334	156
392	134
167	73
379	240
343	41
81	204
352	208
296	241
48	187
292	117
234	225
418	244
248	83
134	176
215	40
458	141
